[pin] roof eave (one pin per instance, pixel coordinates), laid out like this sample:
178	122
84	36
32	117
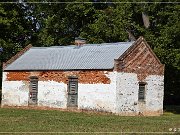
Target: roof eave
37	70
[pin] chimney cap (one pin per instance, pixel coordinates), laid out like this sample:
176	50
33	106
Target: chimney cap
79	38
80	41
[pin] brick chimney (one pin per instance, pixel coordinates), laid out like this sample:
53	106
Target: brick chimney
80	41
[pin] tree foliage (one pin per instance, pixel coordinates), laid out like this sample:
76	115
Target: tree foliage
16	30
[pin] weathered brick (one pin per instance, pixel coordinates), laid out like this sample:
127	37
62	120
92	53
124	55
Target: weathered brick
85	77
141	61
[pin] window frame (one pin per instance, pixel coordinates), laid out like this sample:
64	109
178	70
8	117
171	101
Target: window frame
142	91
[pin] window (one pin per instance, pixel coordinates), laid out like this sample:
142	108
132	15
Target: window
141	93
72	91
33	90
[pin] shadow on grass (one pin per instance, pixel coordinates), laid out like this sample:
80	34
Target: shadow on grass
172	108
0	97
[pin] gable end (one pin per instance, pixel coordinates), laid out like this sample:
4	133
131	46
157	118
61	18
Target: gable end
139	41
139	59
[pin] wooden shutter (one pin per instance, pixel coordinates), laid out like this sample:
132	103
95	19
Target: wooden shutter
73	91
33	91
141	93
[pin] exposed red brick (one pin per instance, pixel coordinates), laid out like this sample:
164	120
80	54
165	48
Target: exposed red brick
84	77
18	76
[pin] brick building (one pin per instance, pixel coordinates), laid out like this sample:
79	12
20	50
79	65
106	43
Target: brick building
124	78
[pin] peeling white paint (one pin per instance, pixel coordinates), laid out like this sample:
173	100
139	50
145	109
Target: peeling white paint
52	94
97	97
127	93
120	96
4	76
155	93
100	97
15	93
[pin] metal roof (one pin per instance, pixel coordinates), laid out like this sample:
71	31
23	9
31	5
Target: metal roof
89	56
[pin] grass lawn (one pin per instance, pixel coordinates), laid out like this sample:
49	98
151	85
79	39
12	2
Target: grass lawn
21	120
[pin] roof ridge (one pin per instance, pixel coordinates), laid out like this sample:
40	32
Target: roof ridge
101	44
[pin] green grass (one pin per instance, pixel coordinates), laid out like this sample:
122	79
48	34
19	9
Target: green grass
21	120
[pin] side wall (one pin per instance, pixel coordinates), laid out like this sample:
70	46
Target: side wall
139	65
127	95
96	89
154	94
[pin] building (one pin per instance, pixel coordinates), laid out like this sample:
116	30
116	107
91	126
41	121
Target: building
124	78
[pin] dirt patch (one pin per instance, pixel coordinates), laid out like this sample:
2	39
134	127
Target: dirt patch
59	109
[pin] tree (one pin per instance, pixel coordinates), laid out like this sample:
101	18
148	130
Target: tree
61	23
16	30
110	24
163	35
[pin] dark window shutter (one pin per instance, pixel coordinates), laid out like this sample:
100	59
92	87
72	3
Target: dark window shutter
141	93
33	92
72	91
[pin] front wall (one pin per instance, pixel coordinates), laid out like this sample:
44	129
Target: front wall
96	89
100	97
14	93
52	94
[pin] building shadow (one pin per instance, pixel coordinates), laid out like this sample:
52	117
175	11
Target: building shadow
172	108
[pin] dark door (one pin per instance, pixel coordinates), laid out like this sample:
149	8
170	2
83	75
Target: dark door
73	92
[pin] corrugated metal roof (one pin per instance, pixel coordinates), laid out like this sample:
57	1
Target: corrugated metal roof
89	56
